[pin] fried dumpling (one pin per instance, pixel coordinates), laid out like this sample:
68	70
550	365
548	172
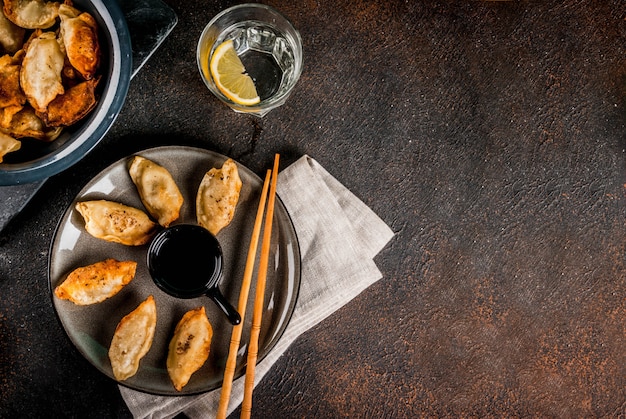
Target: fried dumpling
117	223
217	197
189	347
132	339
6	116
157	189
32	14
79	32
10	91
40	76
11	35
8	144
72	106
25	123
95	283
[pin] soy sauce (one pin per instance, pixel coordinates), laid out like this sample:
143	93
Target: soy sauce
185	261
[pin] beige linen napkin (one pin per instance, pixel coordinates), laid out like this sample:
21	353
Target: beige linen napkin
339	237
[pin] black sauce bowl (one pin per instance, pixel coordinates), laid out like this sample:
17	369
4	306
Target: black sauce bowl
185	261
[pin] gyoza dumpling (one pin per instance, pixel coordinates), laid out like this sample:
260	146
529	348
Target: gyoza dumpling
157	190
7	145
189	348
117	223
95	283
32	14
79	32
133	339
6	116
40	76
71	106
25	123
217	197
11	35
10	91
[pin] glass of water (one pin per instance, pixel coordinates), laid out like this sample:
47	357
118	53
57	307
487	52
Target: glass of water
268	46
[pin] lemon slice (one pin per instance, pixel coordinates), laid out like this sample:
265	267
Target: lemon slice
230	75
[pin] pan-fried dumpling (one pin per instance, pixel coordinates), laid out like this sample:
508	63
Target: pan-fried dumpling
40	76
32	14
25	123
157	190
117	223
132	339
189	348
6	116
11	35
10	91
95	283
79	32
71	106
218	196
8	144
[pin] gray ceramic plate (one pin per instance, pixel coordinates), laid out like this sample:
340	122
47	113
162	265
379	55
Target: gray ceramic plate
90	328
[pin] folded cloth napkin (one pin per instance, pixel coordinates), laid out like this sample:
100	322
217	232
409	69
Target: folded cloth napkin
339	237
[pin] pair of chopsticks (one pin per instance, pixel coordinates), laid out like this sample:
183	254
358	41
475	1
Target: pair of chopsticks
253	348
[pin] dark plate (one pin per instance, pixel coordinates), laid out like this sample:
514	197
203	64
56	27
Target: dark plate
91	328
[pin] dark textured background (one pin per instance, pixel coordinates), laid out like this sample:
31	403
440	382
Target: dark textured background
490	136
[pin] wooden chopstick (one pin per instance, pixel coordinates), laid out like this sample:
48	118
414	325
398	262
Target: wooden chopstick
257	314
235	338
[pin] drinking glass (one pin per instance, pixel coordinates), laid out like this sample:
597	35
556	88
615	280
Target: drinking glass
268	46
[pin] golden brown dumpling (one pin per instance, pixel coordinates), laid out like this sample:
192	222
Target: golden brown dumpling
189	348
157	190
25	123
95	283
72	106
79	34
32	14
218	196
117	223
6	116
8	144
133	339
40	76
11	35
10	91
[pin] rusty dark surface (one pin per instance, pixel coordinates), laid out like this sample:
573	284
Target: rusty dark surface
490	136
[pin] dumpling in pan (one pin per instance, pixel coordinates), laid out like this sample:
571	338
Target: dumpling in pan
217	197
10	91
157	190
32	14
95	283
117	223
79	34
40	76
11	35
72	106
8	144
25	123
6	116
189	348
133	339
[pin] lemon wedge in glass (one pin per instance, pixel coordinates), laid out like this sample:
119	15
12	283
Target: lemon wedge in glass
230	75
